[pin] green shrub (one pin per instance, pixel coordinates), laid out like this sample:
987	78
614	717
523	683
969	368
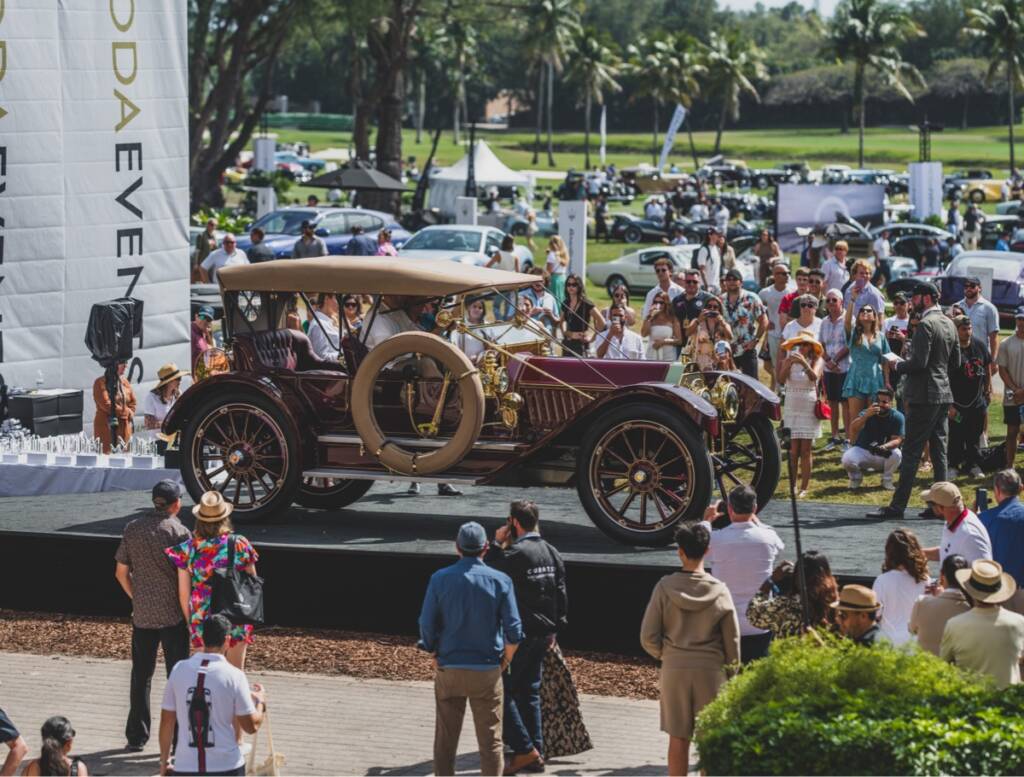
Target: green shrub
844	709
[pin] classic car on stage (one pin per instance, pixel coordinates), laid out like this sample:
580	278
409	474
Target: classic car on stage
268	423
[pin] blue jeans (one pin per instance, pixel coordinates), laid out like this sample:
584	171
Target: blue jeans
521	726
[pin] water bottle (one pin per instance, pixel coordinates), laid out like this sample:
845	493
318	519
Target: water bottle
981	498
39	379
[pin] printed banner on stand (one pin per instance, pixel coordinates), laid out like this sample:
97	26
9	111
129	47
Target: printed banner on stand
93	128
670	135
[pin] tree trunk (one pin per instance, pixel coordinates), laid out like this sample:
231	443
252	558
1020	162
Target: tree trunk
389	150
586	132
421	105
1012	120
963	116
549	117
844	118
456	107
539	109
693	147
721	128
654	146
859	94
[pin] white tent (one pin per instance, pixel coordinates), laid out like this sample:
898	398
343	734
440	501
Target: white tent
488	170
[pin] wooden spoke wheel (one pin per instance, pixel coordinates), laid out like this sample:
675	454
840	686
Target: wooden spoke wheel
245	449
642	470
751	458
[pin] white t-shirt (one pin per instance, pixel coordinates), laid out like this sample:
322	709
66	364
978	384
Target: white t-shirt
894	321
881	248
772	298
387	324
227	693
326	346
709	259
154	406
221	258
698	212
631	346
742	555
507	261
674	290
970	540
836	276
897	591
721	218
794	327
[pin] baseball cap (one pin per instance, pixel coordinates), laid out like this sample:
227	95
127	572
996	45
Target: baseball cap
206	311
472	537
943	494
166	493
973	280
733	275
923	287
899	296
961	320
1019	313
306	223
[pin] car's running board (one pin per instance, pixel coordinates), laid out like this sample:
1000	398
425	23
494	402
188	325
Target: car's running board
337	473
417	442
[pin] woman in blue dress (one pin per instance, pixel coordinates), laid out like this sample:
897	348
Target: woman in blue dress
869	371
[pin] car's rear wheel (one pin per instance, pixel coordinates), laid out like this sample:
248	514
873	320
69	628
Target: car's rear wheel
976	195
641	471
633	235
246	448
614	282
518	230
751	458
328	493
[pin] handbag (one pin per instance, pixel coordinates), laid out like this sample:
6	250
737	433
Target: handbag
238	596
822	411
272	764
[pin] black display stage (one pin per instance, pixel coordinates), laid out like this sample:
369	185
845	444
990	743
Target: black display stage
366	567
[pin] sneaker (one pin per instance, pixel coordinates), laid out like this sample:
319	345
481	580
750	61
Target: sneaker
976	472
446	489
846	445
855	483
414	488
830	445
135	747
887	484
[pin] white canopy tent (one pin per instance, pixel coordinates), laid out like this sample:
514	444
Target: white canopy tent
488	170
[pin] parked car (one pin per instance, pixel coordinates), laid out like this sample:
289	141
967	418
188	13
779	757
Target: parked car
720	171
643	442
868	176
284	226
635	269
976	188
762	178
994	226
1008	208
900	229
461	243
637	229
1007	277
516	224
834	173
314	166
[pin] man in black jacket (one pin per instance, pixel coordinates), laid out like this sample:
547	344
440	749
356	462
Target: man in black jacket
538	576
934	354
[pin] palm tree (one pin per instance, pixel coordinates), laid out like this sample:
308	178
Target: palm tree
666	70
456	46
554	25
868	34
593	68
999	25
733	65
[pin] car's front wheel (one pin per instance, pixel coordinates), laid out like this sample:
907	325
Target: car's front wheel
247	449
751	458
976	195
641	471
633	234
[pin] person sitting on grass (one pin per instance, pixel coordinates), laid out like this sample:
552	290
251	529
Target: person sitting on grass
878	434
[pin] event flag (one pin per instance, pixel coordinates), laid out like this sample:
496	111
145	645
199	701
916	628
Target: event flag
604	131
670	136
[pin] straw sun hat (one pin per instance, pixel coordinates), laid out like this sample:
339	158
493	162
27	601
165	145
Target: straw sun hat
986	582
212	508
805	337
167	373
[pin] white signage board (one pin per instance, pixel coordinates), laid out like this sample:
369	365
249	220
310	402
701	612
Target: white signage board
263	154
572	228
94	198
465	210
926	189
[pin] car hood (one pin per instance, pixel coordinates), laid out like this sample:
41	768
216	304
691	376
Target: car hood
464	257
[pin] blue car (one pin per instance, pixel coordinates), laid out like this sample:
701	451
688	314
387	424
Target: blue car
283	227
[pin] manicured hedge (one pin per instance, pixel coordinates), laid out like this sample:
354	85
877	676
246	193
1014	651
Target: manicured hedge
843	709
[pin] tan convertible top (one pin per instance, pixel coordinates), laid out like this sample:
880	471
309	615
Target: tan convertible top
369	275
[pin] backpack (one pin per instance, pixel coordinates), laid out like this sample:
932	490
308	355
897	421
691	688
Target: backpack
694	264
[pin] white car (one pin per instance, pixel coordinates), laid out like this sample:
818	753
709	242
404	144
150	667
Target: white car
635	270
461	243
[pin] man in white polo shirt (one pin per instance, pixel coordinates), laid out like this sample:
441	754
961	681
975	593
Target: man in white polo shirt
964	534
742	555
207	742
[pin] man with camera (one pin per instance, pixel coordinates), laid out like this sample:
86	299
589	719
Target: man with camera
538	579
878	433
618	341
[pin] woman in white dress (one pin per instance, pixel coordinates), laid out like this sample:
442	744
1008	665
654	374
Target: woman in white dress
504	259
469	345
661	328
800	372
157	403
903	580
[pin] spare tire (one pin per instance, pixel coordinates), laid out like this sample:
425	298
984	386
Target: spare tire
465	375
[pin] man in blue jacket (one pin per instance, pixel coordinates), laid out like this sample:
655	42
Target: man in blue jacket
1005	524
470	625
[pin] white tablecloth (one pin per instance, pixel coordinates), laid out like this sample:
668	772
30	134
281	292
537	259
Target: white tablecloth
38	480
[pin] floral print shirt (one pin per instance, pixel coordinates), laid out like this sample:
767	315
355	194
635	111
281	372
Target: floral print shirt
742	315
200	557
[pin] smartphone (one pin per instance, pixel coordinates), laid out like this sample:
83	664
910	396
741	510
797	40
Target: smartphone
712	314
981	499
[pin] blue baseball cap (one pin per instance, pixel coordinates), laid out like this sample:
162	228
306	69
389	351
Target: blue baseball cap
1019	313
206	311
472	537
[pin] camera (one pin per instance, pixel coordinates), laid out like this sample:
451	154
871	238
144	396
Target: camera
879	450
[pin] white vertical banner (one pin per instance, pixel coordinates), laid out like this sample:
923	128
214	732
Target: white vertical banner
670	134
604	132
465	210
572	228
263	154
94	111
926	189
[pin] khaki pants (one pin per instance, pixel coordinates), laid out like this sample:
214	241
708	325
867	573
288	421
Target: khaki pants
452	687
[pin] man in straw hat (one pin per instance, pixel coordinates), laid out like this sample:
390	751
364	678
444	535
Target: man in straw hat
857	614
988	639
963	533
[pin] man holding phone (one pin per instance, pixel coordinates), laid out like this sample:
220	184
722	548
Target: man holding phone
878	433
618	341
866	294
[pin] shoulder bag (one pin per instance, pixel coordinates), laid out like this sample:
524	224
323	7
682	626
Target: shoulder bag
822	410
238	596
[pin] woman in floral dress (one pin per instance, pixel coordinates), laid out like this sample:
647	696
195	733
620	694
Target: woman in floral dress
196	559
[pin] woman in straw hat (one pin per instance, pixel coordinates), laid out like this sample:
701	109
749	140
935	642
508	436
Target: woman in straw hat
157	403
800	373
196	559
987	638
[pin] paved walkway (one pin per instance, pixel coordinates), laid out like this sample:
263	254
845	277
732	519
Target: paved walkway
322	724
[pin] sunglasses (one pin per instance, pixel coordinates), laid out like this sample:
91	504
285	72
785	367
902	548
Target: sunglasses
972	285
690	280
572	285
351	305
715	309
660	270
808	305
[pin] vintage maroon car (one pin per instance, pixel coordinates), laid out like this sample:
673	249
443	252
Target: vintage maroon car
646	444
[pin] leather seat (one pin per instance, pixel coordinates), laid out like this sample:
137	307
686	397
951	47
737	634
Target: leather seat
284	349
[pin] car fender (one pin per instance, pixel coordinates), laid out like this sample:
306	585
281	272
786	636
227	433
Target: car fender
291	404
692	405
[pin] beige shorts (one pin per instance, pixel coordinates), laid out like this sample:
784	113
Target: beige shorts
685	692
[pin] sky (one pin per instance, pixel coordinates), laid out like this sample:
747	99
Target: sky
826	6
